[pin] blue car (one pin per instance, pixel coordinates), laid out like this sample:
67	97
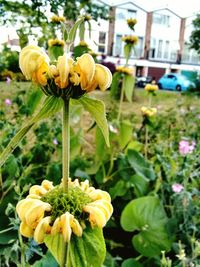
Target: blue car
174	81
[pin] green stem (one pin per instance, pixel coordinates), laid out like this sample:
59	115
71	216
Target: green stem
146	141
65	144
121	101
22	250
150	99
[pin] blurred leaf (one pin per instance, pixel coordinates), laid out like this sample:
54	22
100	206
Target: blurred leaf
72	33
82	31
131	263
128	86
127	51
134	145
11	168
34	99
125	133
46	261
146	215
97	110
141	184
115	90
140	165
118	190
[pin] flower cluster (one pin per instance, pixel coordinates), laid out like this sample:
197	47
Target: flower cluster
131	23
185	147
57	19
177	188
149	112
48	210
125	70
131	39
55	42
84	73
151	87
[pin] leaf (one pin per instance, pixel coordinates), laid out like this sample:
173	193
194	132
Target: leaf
34	99
11	167
118	190
146	215
51	105
89	28
140	165
72	33
128	86
127	51
125	134
46	261
141	185
97	110
101	151
88	250
82	30
115	90
131	263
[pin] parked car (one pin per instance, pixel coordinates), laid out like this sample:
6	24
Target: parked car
174	81
142	81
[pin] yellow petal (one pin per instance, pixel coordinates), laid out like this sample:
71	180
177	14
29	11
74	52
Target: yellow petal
85	67
103	77
37	190
76	227
47	185
84	185
96	216
105	206
99	194
25	205
66	226
42	229
36	213
25	230
57	227
63	70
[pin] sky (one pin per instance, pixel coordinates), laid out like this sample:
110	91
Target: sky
183	8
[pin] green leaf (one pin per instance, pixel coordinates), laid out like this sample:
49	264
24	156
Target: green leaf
97	110
46	261
146	215
88	250
125	133
55	51
127	51
89	28
101	151
140	165
82	31
131	263
11	167
128	86
34	99
118	190
141	185
51	105
72	33
115	90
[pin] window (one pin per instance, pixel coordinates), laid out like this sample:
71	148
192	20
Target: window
161	19
132	14
121	15
160	45
102	42
137	51
166	51
118	45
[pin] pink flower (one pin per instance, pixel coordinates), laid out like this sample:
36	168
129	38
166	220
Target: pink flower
185	147
177	188
8	80
55	141
8	102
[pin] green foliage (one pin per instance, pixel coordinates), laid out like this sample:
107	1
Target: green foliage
128	85
88	250
147	216
114	90
195	35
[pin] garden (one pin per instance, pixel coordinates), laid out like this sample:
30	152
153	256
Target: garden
94	172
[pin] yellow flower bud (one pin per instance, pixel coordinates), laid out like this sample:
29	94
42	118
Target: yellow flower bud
25	230
42	229
35	214
151	87
34	64
96	216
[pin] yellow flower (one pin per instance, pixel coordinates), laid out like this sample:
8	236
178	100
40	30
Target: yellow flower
149	112
36	214
63	69
34	64
131	39
125	70
92	75
131	22
55	42
57	19
83	43
151	87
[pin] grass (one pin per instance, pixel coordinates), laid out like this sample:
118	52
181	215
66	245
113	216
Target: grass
164	100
